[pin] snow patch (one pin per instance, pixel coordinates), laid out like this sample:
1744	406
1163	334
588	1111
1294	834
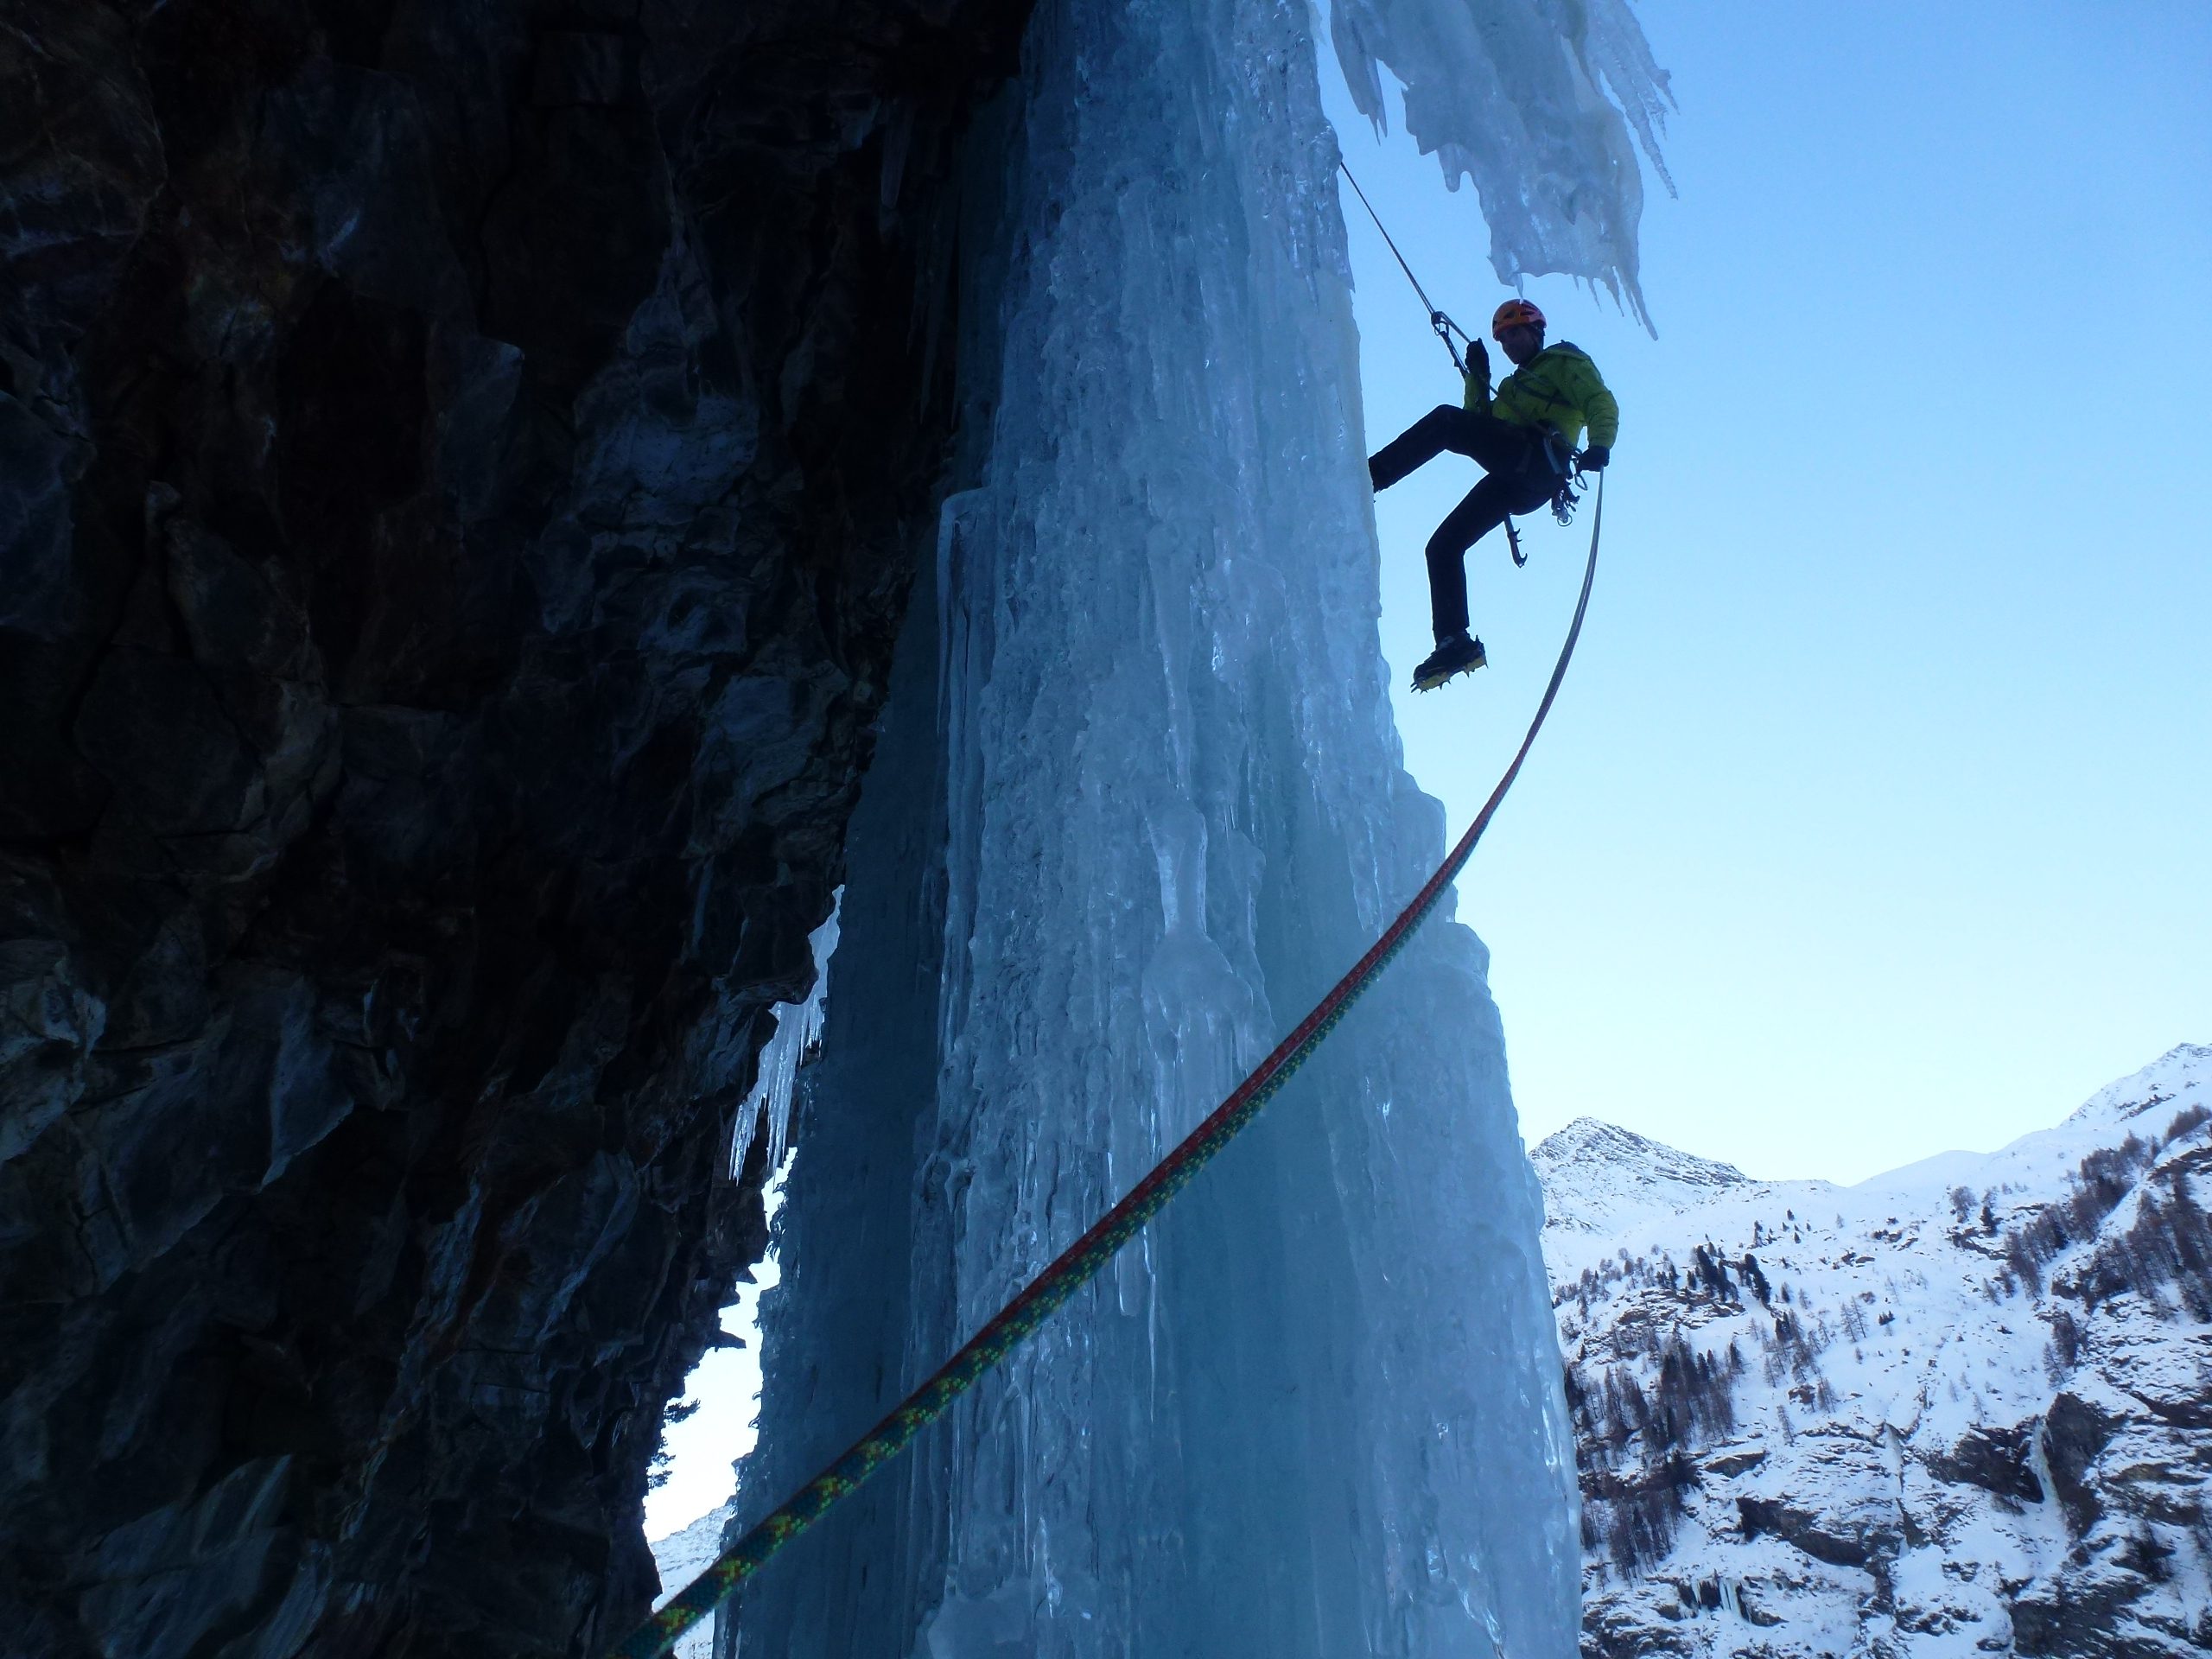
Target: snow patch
1961	1408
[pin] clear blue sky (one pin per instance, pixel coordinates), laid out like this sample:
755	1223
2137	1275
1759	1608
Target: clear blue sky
1876	819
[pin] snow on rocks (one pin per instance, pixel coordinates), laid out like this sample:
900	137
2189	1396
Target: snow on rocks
1605	1176
1963	1408
682	1557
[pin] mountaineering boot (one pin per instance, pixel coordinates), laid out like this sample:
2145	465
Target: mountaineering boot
1457	655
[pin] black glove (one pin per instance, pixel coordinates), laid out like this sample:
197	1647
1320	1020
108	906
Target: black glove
1479	362
1594	459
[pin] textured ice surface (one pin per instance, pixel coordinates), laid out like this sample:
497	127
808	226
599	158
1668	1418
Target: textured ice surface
1512	94
1138	802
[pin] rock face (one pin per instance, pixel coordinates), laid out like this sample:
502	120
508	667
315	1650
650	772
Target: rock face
1963	1409
461	466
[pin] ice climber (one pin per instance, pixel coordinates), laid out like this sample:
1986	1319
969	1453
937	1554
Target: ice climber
1523	435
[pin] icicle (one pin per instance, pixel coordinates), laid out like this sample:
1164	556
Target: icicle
798	1029
1513	94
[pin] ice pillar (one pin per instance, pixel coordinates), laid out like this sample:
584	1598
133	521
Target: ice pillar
1139	801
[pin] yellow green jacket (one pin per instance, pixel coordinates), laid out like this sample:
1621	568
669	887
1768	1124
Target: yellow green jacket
1559	387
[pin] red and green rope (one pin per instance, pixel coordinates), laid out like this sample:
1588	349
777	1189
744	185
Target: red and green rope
1081	1261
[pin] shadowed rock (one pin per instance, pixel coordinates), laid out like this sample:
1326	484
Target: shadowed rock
460	471
2000	1460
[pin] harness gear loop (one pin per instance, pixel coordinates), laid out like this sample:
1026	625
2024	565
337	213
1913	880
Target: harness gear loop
1081	1261
1565	463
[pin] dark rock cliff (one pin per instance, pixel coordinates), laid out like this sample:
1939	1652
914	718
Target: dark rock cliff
460	466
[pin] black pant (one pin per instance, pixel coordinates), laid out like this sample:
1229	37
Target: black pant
1517	479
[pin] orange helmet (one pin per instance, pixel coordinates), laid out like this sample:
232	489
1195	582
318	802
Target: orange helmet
1511	313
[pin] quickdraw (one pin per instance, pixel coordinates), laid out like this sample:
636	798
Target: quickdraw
1444	326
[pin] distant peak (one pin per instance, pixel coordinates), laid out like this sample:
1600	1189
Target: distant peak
1593	1140
2184	1070
1591	1171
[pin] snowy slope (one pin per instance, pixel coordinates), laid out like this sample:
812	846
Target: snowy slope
1963	1408
682	1557
1601	1179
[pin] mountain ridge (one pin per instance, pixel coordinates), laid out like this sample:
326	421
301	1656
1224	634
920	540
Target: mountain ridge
1964	1407
1607	1167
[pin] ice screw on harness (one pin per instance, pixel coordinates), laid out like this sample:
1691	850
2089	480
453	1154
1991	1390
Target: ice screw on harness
1080	1262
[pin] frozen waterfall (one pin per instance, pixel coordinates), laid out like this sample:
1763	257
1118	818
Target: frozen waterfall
1138	801
1503	97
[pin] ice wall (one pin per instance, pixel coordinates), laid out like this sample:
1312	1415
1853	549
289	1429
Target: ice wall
1138	802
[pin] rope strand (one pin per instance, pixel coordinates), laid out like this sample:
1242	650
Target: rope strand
1081	1261
1443	324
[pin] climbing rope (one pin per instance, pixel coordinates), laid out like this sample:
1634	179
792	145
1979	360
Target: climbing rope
1444	326
1081	1261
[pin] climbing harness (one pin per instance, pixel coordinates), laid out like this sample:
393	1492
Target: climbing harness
1565	462
1562	462
1081	1261
1564	500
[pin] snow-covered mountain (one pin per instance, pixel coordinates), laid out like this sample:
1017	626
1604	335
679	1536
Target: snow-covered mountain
1964	1407
1615	1178
682	1557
